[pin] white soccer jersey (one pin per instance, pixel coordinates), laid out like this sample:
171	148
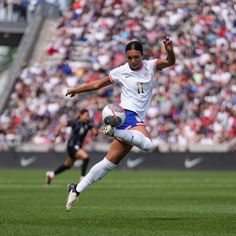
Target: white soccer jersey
136	86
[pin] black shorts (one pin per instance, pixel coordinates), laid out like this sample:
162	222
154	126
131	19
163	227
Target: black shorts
72	149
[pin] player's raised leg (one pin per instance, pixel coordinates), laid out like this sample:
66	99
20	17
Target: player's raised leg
137	136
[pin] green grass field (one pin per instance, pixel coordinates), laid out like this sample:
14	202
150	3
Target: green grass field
123	203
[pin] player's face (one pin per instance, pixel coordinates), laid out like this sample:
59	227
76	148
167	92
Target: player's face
135	59
84	117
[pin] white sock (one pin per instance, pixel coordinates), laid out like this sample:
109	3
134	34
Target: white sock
96	173
134	137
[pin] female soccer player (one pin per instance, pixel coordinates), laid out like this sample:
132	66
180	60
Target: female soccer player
136	79
80	127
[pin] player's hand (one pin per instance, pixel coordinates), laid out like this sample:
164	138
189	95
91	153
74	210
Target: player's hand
168	44
71	92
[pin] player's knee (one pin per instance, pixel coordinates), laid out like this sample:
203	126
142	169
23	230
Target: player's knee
147	145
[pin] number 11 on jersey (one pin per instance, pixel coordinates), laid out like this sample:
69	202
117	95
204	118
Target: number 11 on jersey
140	87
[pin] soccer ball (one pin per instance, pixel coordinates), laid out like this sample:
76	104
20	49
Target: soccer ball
113	114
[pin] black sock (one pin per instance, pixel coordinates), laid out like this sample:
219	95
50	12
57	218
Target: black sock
77	193
61	169
84	167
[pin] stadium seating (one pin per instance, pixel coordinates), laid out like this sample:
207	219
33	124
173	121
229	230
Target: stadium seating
194	102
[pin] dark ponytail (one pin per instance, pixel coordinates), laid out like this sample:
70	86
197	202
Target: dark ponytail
134	45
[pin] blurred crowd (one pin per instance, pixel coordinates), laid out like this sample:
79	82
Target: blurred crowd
22	10
193	101
12	10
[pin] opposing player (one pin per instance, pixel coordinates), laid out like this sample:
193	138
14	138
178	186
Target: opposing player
136	79
80	127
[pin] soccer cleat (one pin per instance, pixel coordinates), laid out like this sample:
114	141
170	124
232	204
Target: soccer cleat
72	196
108	130
49	176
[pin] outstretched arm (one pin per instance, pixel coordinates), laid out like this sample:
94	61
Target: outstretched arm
89	86
170	60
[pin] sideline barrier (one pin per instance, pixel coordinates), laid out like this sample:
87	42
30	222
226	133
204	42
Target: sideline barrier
135	161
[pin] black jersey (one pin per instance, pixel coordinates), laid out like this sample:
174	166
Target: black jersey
78	132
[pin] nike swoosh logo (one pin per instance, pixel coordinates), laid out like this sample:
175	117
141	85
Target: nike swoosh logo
191	163
127	75
133	163
26	162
